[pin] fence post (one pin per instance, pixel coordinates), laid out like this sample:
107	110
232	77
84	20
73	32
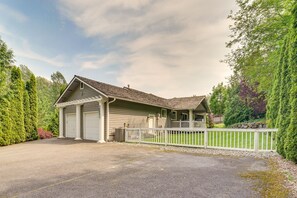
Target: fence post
126	135
256	141
166	137
139	135
205	138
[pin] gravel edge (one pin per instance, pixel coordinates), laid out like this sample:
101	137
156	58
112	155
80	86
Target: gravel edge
289	169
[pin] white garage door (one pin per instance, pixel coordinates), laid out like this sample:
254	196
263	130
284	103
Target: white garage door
91	125
70	125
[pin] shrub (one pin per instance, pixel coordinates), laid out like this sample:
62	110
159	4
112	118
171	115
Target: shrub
43	134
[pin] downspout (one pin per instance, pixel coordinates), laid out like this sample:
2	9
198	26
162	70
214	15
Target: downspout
107	118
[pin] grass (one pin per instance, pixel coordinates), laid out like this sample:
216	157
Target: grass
241	140
269	183
219	125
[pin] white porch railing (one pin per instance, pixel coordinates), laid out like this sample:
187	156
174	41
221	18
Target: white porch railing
234	139
186	124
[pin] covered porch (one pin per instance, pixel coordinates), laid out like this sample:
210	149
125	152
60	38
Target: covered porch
188	119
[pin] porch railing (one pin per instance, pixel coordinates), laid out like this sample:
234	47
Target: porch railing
233	139
186	124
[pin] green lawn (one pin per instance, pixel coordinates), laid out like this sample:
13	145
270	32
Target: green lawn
239	140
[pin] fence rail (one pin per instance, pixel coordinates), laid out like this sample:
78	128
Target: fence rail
234	139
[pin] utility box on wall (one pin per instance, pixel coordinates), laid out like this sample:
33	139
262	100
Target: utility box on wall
119	135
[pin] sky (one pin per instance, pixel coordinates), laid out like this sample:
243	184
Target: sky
170	48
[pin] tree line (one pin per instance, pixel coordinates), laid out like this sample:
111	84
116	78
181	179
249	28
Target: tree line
26	101
263	58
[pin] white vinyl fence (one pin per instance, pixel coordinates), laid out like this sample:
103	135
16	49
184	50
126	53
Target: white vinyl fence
234	139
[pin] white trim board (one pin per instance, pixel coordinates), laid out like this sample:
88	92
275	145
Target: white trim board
71	82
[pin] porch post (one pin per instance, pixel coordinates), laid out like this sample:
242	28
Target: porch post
61	122
78	120
101	122
191	118
205	114
107	121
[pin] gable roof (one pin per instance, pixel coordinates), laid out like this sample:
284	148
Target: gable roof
133	95
185	102
126	93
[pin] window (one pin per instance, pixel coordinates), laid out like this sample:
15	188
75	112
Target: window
173	115
164	113
184	116
199	117
81	85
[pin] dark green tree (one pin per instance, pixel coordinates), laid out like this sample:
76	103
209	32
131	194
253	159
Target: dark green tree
291	138
26	73
16	105
218	99
5	122
59	83
6	59
283	118
27	113
45	102
273	101
257	33
53	125
236	111
31	88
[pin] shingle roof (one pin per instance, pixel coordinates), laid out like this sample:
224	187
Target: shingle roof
185	102
134	95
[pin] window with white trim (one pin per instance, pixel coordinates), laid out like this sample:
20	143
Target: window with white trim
163	113
173	115
82	85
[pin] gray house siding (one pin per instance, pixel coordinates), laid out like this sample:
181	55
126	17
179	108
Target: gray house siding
78	93
127	114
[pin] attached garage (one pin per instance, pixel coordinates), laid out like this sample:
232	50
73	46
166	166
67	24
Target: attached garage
91	123
70	125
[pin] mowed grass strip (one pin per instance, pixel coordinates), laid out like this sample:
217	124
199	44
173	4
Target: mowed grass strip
240	140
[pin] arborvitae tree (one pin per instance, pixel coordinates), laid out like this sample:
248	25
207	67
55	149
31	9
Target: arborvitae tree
31	88
283	118
273	101
5	126
16	105
291	139
27	114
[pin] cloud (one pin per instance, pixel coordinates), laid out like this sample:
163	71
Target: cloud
16	15
168	47
98	61
22	48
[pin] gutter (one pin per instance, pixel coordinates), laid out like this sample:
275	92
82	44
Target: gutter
107	119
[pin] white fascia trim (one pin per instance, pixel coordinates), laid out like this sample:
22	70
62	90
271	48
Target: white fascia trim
78	102
64	91
73	79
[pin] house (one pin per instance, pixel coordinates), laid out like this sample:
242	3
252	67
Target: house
92	110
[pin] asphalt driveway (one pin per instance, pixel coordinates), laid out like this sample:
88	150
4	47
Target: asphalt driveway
68	168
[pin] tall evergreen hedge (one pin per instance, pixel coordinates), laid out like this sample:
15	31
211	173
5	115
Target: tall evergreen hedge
16	106
291	137
273	101
286	85
283	119
27	113
5	122
32	93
